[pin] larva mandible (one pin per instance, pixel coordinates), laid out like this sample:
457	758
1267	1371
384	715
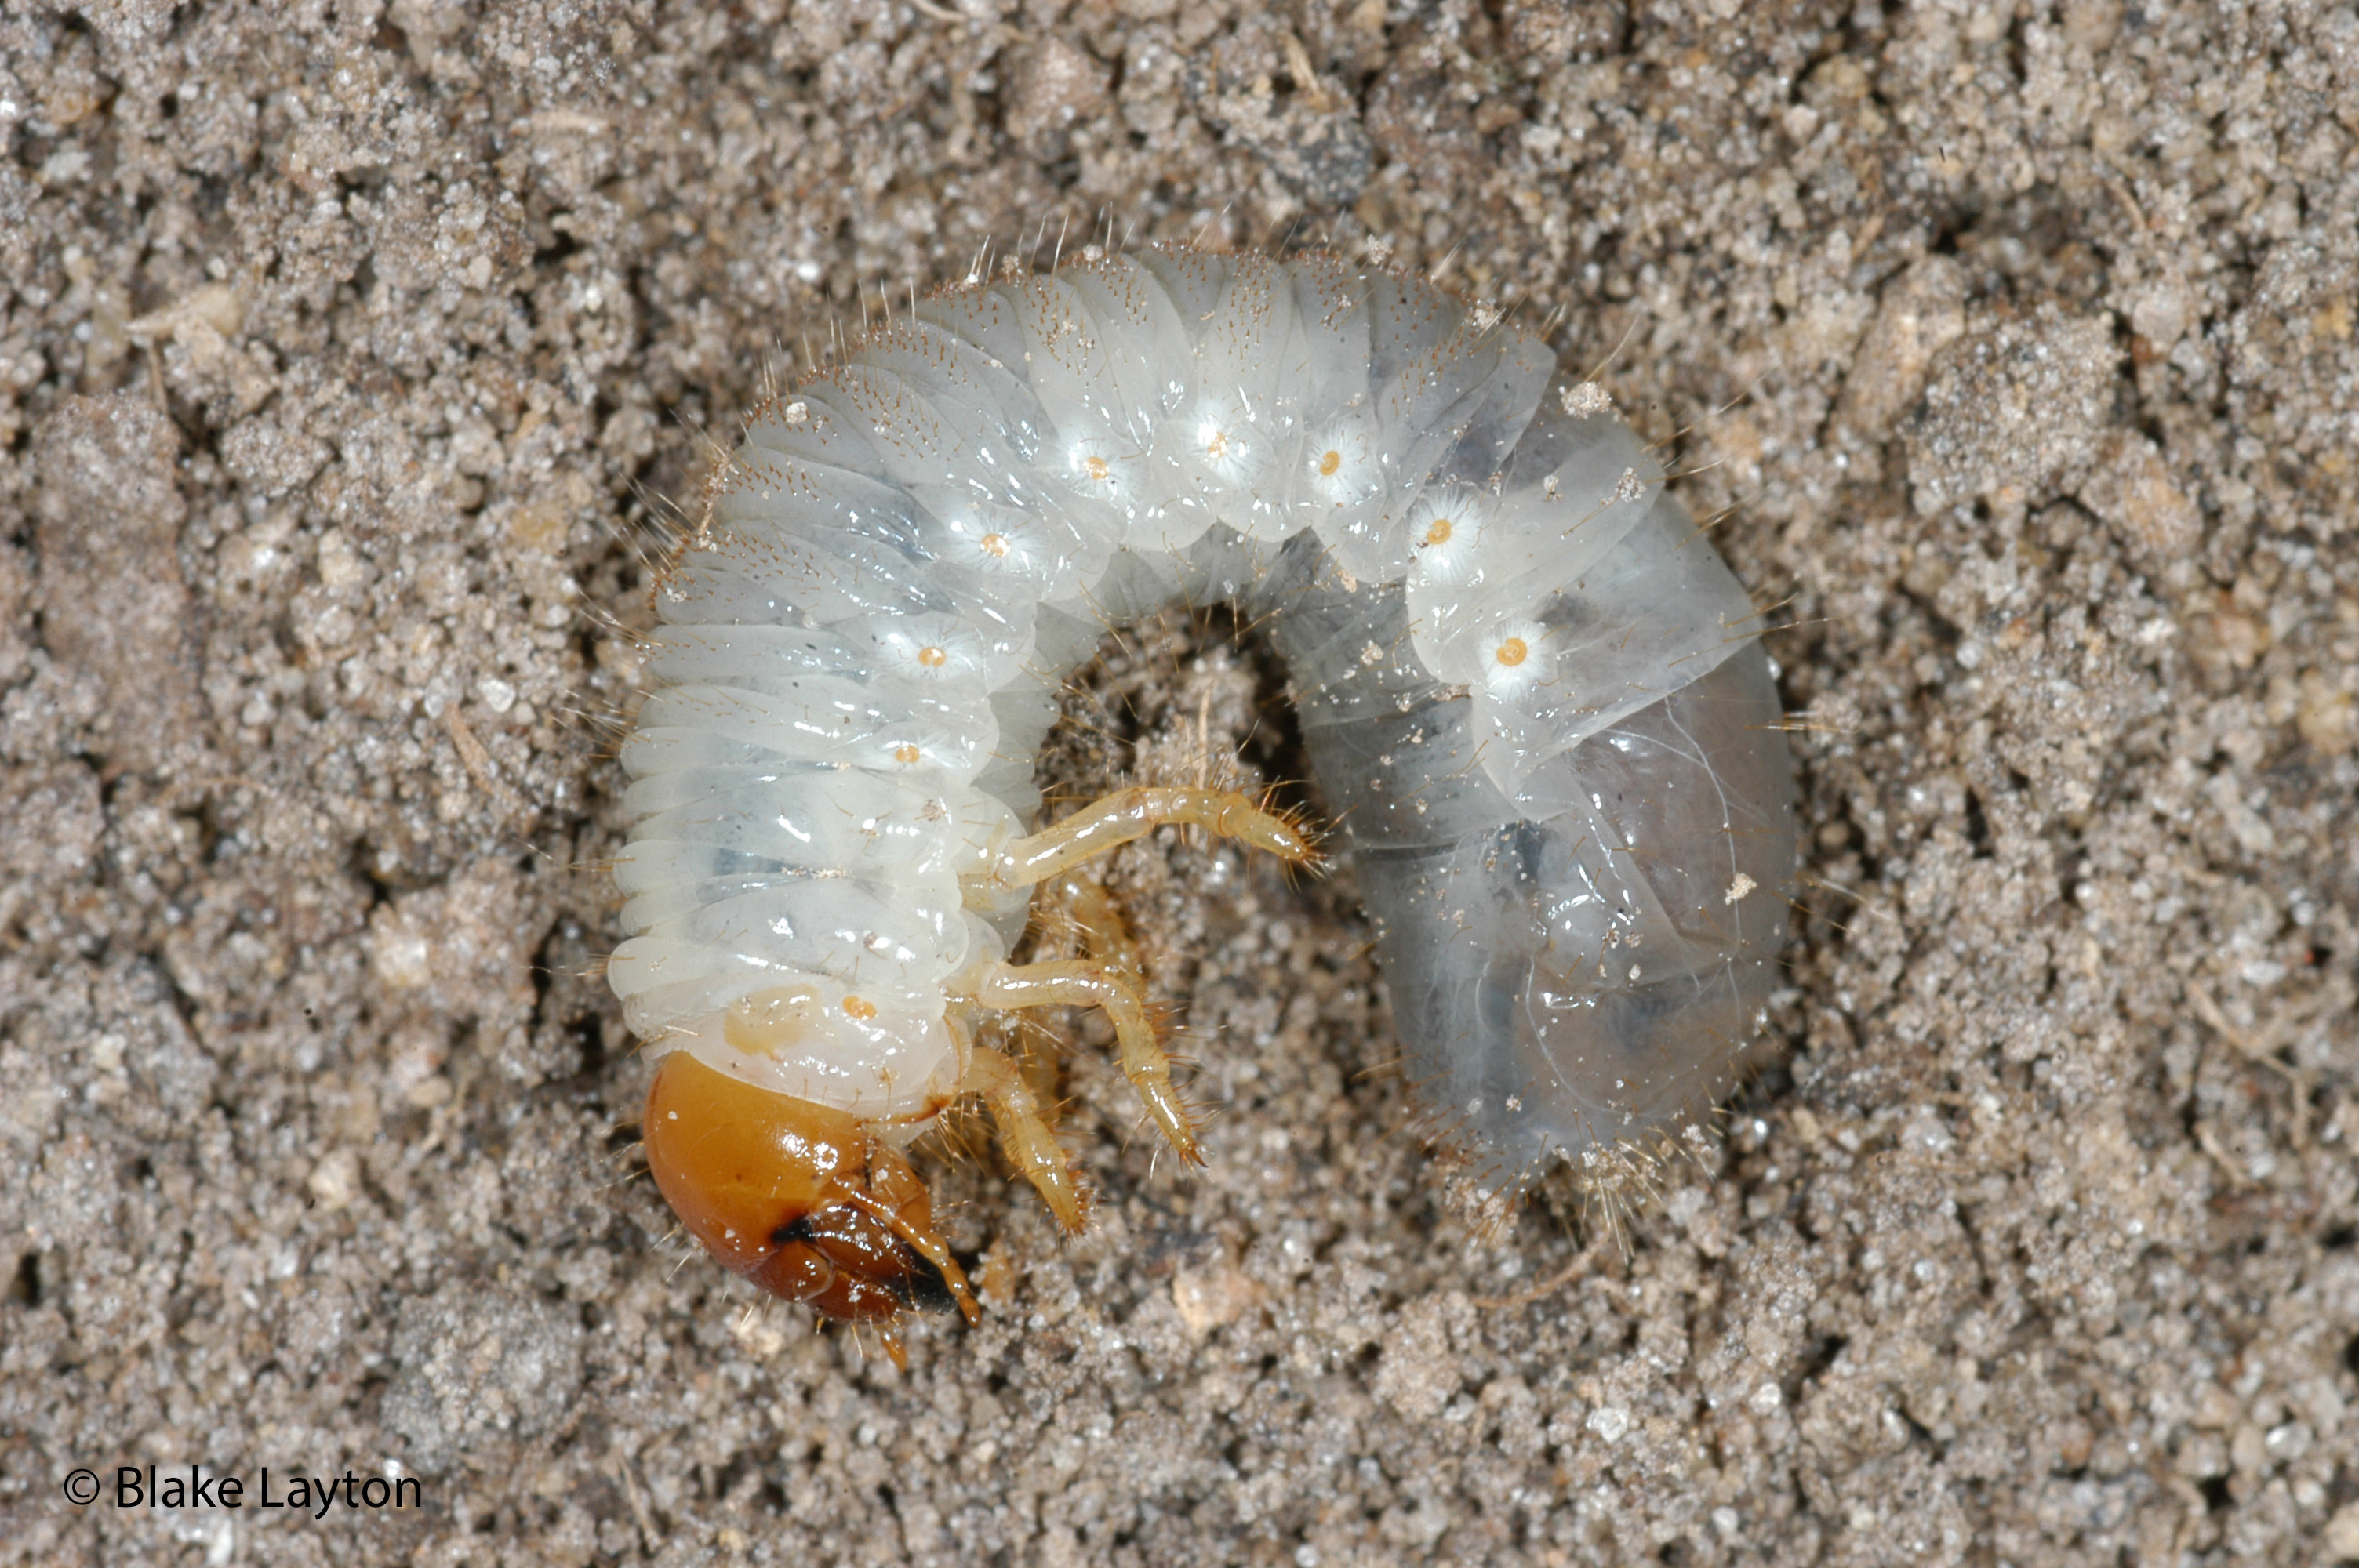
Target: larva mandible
1526	683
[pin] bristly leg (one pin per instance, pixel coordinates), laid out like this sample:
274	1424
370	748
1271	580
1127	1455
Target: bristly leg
1030	1142
1088	982
1134	813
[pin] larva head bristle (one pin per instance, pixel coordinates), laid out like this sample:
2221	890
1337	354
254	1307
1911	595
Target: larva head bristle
623	1159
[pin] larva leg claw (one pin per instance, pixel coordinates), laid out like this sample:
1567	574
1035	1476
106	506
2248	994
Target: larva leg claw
1087	983
1024	1133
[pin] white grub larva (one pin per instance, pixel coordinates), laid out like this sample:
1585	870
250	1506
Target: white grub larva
1524	682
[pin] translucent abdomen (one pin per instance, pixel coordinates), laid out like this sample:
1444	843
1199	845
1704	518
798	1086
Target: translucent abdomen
1529	689
1576	975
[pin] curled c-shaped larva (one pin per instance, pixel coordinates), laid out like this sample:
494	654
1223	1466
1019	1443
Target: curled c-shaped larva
1527	684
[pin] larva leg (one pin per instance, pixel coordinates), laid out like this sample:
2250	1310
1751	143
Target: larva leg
1133	813
1084	917
897	1182
1024	1134
1037	1050
1090	982
1104	933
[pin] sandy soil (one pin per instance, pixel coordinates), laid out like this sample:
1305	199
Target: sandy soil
344	350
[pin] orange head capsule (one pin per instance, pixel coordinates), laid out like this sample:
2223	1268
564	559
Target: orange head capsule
803	1200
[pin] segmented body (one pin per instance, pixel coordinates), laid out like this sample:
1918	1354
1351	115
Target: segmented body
1528	687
